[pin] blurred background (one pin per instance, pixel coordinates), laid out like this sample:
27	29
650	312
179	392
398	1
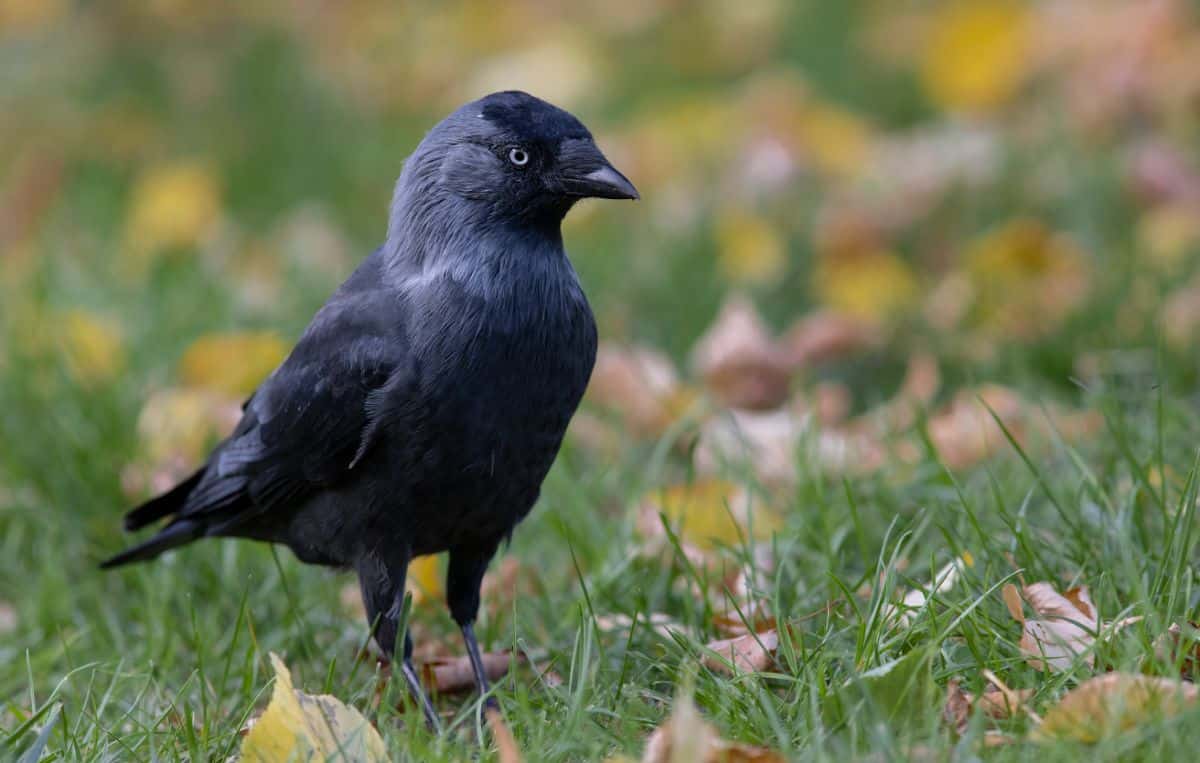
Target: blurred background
1013	188
845	205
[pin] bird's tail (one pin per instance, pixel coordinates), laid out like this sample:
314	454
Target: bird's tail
178	533
168	503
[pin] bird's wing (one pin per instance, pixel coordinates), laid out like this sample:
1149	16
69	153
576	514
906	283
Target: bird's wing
312	421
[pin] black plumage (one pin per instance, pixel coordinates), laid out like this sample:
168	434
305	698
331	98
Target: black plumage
423	406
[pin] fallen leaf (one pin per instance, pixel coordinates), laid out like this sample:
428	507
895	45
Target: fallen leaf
506	746
944	580
303	727
449	675
1179	645
750	250
977	54
424	579
1112	703
740	362
641	385
995	703
1065	627
825	336
92	345
232	364
956	710
706	513
751	653
172	205
874	286
685	737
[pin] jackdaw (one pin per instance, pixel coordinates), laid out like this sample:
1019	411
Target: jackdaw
423	406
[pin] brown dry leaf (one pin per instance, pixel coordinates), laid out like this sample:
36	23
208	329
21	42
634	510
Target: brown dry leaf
641	385
1178	645
750	653
764	442
965	432
1113	703
1066	625
826	336
685	737
740	362
995	703
448	675
506	746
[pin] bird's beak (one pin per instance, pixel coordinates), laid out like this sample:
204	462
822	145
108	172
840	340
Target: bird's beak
586	173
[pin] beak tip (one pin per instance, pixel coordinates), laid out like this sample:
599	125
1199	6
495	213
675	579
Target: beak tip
607	183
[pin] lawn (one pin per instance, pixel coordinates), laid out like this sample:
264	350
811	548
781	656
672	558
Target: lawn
897	386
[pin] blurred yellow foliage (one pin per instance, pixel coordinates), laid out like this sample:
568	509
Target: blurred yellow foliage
181	423
233	363
425	580
836	140
172	205
875	285
92	345
1026	277
712	512
750	250
24	15
1167	234
978	53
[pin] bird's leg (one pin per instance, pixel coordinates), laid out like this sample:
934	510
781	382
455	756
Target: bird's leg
383	596
463	580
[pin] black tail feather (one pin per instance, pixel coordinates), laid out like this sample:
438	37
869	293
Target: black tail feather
168	503
178	533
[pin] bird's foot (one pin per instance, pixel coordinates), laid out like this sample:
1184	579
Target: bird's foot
419	695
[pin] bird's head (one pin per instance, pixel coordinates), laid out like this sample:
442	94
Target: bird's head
511	156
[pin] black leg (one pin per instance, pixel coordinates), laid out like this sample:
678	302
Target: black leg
383	596
463	580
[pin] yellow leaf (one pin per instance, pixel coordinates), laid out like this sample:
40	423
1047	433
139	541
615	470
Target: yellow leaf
184	422
172	205
1026	277
298	728
234	363
92	345
836	140
750	250
1113	703
873	286
978	53
708	512
1167	234
425	579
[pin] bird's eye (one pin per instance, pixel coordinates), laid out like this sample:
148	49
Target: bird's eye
518	156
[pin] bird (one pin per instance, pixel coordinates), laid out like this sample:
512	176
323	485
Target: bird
421	409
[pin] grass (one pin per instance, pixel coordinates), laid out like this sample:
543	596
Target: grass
167	661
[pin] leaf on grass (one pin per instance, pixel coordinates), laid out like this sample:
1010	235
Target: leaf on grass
172	205
739	360
685	737
232	363
641	386
826	336
706	513
92	345
1113	703
8	617
750	653
1180	645
1064	628
448	675
995	703
302	727
506	746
